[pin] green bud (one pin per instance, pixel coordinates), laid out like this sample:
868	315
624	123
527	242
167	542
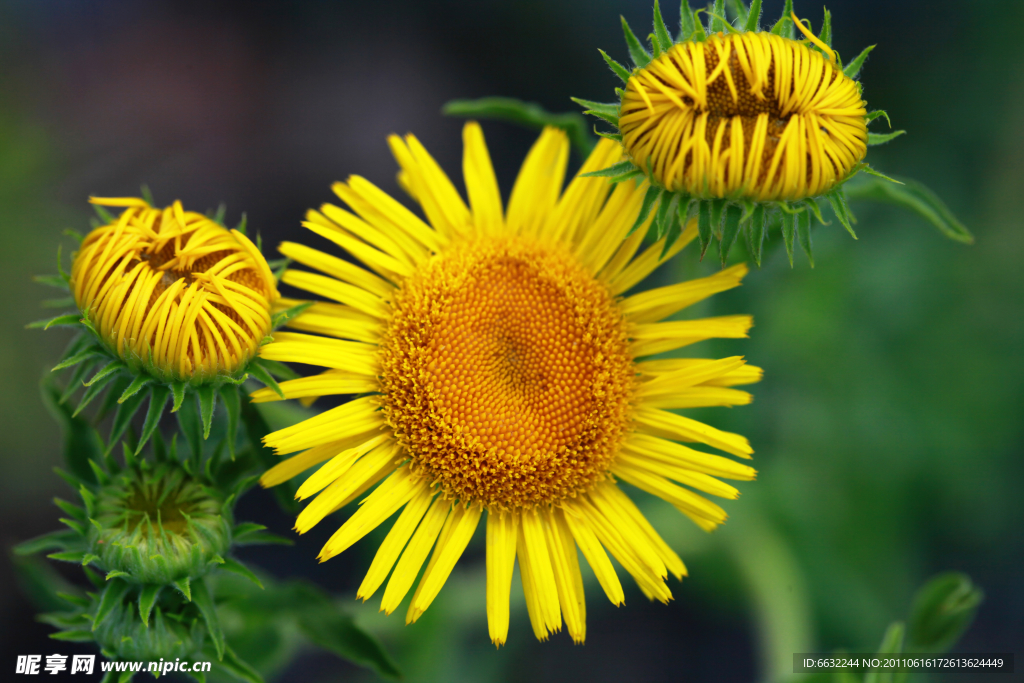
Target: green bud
943	608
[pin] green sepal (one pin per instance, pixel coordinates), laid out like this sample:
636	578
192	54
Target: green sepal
704	227
653	193
784	26
235	567
837	200
825	35
619	70
74	636
90	352
730	229
232	406
878	113
108	369
882	138
528	114
617	137
665	214
112	595
202	599
66	319
63	302
279	369
943	608
123	417
183	585
75	381
75	511
853	68
109	402
81	443
788	225
687	24
739	11
259	372
115	573
52	280
612	171
59	540
753	16
717	214
101	475
157	401
230	662
281	317
662	37
146	598
803	233
207	402
637	52
73	524
718	22
606	111
134	388
89	499
912	195
178	390
755	234
192	428
103	214
76	556
249	533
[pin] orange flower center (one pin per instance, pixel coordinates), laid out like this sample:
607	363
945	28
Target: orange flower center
506	373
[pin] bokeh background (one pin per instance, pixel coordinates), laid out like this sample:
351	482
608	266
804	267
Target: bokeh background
888	428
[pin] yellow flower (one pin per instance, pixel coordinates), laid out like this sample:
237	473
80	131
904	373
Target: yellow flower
746	115
499	365
173	292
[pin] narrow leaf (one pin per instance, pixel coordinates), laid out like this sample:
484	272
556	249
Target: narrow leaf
528	114
872	115
257	370
207	402
234	665
616	170
55	540
788	225
192	428
67	319
185	587
133	388
157	401
704	226
232	406
718	17
943	609
853	68
619	70
838	203
111	598
826	29
202	599
653	193
147	598
240	569
739	11
803	231
914	196
660	30
754	16
90	352
755	234
730	229
123	417
882	138
639	55
178	389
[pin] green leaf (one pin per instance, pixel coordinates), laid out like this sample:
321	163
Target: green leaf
892	644
784	26
739	11
207	402
259	372
232	406
755	234
872	115
192	428
528	114
321	622
687	23
157	401
910	195
133	388
660	30
753	16
717	215
616	170
718	21
256	428
640	56
75	382
942	610
75	636
184	586
111	598
788	224
61	540
281	317
704	226
803	232
236	567
730	229
837	200
67	319
881	139
90	352
110	368
653	193
51	280
665	215
853	68
71	509
147	598
178	390
234	665
202	599
80	441
826	29
278	369
608	112
123	417
619	70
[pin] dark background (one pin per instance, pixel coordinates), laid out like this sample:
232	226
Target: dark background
888	427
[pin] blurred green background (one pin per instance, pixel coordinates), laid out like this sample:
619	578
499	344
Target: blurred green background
888	428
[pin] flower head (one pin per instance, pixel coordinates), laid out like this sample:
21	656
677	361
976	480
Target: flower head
744	128
174	292
503	374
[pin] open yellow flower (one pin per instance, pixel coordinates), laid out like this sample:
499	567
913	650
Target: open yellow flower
499	365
